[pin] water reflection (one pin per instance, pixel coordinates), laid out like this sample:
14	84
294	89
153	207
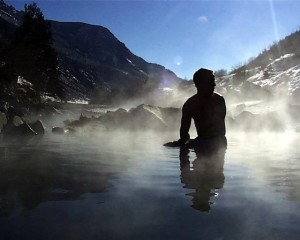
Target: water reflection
33	172
205	174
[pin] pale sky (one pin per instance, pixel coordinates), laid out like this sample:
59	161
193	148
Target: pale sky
184	35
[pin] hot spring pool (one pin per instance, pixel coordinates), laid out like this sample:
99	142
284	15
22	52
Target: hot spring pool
129	186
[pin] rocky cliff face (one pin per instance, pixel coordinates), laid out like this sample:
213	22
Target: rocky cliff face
92	61
95	59
9	13
9	20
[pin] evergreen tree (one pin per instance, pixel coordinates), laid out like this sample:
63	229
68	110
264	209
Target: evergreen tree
7	75
32	53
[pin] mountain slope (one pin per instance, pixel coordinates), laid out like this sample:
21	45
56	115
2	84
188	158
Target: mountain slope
93	62
272	76
98	60
9	20
274	73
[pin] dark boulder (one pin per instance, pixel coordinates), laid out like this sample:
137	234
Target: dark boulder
21	130
144	117
58	130
3	120
147	117
38	127
15	125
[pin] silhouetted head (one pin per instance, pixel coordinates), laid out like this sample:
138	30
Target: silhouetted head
204	80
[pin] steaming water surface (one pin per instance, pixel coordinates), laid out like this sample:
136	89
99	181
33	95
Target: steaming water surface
129	186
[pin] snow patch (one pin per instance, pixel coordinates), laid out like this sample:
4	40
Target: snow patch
166	89
130	62
79	101
21	81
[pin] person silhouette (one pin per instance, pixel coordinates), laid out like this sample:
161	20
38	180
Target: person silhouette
208	110
205	175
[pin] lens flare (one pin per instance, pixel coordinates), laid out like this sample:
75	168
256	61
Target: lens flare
273	14
178	60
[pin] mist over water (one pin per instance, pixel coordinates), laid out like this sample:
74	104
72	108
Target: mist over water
121	183
126	185
112	178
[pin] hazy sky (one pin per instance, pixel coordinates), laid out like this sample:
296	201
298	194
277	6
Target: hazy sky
185	35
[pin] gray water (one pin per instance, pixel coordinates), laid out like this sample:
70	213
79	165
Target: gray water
128	186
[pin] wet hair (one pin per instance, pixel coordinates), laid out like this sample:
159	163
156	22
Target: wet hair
204	76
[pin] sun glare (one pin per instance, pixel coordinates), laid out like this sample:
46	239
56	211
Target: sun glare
273	14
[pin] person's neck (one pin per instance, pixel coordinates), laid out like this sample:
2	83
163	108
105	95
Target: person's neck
204	95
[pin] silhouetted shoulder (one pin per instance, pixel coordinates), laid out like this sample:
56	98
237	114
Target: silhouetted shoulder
190	102
218	96
218	99
194	101
192	98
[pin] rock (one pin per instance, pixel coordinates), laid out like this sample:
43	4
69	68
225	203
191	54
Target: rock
21	130
14	124
147	117
18	126
116	120
248	121
12	111
17	121
239	108
120	111
172	117
58	130
38	127
143	117
82	121
3	120
25	130
69	130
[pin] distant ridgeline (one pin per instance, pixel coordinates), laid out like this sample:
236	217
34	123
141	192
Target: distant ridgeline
274	73
93	64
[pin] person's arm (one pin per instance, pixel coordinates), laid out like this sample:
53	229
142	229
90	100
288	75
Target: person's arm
220	119
223	108
185	125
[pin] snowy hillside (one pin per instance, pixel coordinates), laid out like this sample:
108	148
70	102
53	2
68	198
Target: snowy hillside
281	73
280	78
